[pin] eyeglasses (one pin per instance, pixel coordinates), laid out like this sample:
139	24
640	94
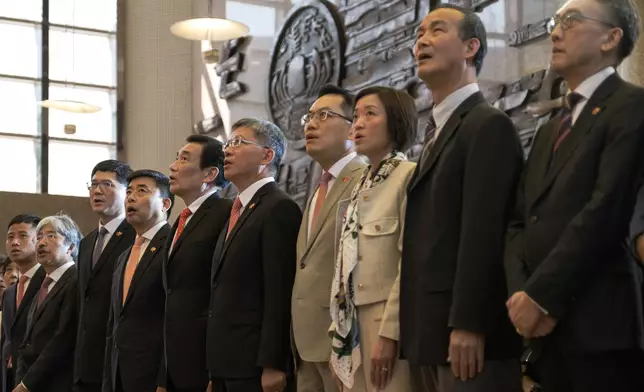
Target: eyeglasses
236	142
101	184
568	19
322	115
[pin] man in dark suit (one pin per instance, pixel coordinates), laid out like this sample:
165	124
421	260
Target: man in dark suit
135	327
196	176
98	253
454	329
573	285
45	357
21	248
253	268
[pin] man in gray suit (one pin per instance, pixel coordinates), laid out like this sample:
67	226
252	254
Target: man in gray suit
326	128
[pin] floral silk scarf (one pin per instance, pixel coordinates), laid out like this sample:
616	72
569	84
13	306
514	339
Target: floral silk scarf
345	332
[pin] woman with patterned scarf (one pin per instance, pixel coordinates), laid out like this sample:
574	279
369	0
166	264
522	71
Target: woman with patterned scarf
365	288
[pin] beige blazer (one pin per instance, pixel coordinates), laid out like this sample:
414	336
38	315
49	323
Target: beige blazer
316	260
381	213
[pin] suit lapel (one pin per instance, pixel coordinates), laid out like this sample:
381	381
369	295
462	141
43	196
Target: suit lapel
62	282
119	235
582	127
445	135
153	249
202	211
30	293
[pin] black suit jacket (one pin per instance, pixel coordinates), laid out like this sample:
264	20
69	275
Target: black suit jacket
45	361
567	244
135	328
252	280
186	279
458	203
15	321
95	286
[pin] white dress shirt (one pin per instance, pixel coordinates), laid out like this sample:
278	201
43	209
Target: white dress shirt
587	88
30	275
335	172
247	195
148	236
58	273
443	111
111	227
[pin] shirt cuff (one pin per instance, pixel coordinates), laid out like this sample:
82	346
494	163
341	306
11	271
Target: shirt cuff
23	385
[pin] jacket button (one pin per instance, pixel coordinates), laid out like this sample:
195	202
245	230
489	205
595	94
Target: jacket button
359	256
210	314
169	291
361	286
122	318
116	345
533	219
366	198
377	227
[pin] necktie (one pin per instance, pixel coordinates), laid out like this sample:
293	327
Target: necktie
430	132
132	262
98	248
21	289
565	125
44	287
234	215
322	190
183	217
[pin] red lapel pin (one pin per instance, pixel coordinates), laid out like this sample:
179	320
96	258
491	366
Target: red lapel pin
596	110
118	233
251	206
345	179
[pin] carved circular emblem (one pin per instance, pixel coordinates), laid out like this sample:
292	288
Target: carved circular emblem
308	53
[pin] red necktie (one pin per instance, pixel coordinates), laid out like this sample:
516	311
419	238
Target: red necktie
234	215
322	189
182	223
132	262
21	289
44	289
565	125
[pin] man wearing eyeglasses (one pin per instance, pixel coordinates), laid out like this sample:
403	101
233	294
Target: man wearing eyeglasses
253	268
326	129
97	254
574	289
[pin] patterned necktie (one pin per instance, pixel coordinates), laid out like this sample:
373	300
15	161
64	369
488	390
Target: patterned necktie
430	132
565	125
234	215
183	217
44	288
322	190
21	289
98	248
132	262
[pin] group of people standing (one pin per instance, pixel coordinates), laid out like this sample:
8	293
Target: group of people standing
465	271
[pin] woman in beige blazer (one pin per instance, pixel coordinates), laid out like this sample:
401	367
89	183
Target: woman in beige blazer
365	288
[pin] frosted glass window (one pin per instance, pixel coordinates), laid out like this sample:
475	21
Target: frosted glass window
19	163
71	164
22	98
259	19
22	9
95	14
82	57
20	48
99	126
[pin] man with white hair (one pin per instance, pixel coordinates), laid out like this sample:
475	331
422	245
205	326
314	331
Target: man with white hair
46	357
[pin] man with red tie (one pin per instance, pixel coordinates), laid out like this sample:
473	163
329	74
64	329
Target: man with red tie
253	268
196	176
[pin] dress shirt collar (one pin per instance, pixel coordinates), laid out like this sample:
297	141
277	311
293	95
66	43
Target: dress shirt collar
30	274
112	225
201	199
247	195
444	110
341	164
58	273
149	235
587	87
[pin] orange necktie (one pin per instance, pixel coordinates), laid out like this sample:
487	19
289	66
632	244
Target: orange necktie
234	215
132	262
322	189
21	289
182	223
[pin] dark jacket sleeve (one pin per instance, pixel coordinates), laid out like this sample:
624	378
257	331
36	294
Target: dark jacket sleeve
557	280
279	238
492	168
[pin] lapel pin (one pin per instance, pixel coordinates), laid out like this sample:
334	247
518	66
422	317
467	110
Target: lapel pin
596	110
153	249
251	206
119	233
345	179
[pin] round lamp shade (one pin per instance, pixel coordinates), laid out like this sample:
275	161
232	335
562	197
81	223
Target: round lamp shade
70	106
209	29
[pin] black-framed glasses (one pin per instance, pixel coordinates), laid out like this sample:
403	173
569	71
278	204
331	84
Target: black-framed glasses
236	142
103	185
568	19
322	115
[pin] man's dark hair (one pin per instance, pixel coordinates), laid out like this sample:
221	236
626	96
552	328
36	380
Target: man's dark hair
347	97
623	14
402	116
212	155
121	169
162	181
4	263
32	220
471	27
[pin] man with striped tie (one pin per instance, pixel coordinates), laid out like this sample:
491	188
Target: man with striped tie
196	176
574	288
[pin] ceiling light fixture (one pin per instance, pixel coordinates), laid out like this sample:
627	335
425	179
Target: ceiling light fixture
209	29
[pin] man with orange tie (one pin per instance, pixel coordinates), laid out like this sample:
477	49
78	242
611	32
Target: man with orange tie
135	327
21	248
196	176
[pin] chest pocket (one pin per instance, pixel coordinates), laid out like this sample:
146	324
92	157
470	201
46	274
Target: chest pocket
380	227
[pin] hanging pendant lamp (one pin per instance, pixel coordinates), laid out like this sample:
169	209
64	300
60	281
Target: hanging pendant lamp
209	29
